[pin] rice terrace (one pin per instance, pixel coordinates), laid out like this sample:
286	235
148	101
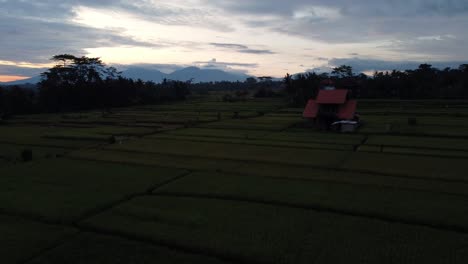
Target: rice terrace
185	182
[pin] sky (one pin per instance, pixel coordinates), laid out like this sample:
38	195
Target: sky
261	38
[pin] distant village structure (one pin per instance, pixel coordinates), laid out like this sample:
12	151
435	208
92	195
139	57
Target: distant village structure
333	109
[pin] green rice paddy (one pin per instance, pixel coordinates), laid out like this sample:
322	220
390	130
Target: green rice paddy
207	181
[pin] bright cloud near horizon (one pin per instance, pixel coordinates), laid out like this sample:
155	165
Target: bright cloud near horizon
269	37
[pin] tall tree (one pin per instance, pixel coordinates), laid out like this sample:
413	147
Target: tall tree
73	82
343	71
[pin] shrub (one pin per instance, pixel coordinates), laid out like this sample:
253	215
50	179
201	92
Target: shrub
26	155
112	140
412	121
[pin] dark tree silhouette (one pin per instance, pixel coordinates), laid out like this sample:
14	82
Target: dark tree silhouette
343	71
77	83
425	82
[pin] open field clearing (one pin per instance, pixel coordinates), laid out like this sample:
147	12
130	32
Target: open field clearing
89	248
273	234
65	190
207	181
414	165
234	152
395	203
13	152
24	239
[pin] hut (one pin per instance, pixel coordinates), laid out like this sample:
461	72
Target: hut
333	109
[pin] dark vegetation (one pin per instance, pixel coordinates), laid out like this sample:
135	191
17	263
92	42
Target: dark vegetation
426	82
192	182
81	83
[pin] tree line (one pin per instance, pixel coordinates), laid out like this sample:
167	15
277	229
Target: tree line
82	83
425	82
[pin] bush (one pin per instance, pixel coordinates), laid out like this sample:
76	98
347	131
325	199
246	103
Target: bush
412	121
26	155
112	140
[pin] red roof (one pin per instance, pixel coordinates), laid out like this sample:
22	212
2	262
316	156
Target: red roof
337	96
311	109
347	110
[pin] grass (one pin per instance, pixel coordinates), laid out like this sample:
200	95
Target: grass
316	137
187	183
22	239
12	153
411	165
155	159
89	248
216	133
272	234
420	142
64	190
293	172
234	152
256	142
388	202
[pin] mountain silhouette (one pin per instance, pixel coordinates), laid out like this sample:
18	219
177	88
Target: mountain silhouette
190	73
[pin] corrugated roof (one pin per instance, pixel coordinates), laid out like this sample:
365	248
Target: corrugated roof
337	96
311	109
348	110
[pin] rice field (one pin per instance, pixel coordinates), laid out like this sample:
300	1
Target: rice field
207	181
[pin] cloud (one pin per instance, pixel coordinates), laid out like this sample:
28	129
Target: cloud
235	64
229	45
25	39
355	22
397	30
241	48
234	67
35	30
358	7
166	68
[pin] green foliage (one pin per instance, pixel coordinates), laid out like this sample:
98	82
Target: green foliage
234	152
23	239
257	232
262	189
64	190
408	165
89	248
26	155
400	200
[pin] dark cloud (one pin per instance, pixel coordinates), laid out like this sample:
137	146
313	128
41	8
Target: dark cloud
353	8
34	30
257	51
361	21
36	41
229	46
241	48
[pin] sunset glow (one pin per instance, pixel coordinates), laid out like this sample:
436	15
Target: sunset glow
11	78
